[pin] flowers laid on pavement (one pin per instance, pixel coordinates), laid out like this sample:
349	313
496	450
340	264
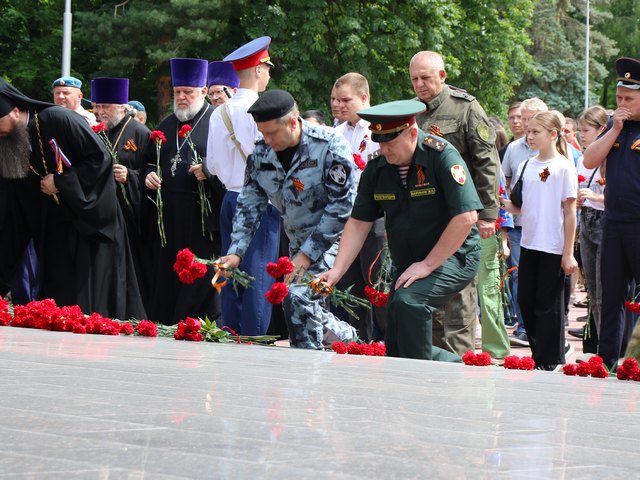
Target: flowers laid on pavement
512	362
375	349
629	370
476	359
594	368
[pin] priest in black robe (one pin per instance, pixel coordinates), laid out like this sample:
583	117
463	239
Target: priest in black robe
60	193
186	224
126	140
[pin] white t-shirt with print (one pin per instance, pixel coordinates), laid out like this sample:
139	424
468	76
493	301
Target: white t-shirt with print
596	184
542	216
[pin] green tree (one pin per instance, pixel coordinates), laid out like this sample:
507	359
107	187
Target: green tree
558	31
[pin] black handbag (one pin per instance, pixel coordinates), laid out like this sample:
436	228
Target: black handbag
516	191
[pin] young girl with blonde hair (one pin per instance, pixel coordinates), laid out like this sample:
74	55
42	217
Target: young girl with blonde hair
548	216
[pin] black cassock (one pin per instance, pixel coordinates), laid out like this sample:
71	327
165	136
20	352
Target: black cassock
130	139
81	242
172	301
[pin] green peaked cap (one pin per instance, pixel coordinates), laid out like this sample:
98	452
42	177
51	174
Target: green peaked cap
389	119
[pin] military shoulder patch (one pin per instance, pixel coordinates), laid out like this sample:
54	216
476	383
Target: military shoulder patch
338	174
483	131
460	93
458	174
373	155
434	142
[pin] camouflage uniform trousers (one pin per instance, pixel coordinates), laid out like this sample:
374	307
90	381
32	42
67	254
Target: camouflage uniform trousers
311	325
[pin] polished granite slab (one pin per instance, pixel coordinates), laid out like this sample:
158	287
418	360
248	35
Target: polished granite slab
98	407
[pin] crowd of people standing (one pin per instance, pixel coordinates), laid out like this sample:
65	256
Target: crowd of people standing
94	209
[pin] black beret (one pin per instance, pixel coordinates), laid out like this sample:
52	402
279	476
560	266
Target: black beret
271	105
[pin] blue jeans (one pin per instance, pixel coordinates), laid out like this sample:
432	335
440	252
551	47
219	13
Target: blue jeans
248	312
514	245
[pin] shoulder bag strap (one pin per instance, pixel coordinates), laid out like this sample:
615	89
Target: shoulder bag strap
229	125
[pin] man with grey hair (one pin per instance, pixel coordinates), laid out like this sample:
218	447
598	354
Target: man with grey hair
307	173
190	221
457	117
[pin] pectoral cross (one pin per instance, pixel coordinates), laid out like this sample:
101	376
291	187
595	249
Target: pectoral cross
174	163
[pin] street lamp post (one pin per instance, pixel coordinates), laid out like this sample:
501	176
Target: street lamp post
66	39
586	63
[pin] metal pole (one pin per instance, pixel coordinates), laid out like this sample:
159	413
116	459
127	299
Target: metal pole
66	39
586	63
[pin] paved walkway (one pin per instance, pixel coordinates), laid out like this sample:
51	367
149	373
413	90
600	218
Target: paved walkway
94	407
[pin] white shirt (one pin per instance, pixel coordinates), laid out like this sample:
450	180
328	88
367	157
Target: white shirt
542	216
223	158
516	154
359	137
595	186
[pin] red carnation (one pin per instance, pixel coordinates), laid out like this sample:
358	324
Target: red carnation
158	137
501	192
198	270
526	363
147	329
339	347
483	359
184	259
581	178
569	369
357	158
280	269
511	362
379	349
583	369
354	348
632	307
630	364
377	299
186	277
184	131
595	361
599	371
469	358
126	329
99	127
276	294
189	330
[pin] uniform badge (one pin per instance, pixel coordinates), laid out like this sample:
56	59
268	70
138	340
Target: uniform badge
338	174
363	144
544	174
636	145
309	163
421	181
130	145
298	184
483	131
435	130
458	174
434	143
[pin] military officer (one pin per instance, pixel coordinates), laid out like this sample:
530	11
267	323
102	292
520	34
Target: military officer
456	116
422	187
620	147
307	173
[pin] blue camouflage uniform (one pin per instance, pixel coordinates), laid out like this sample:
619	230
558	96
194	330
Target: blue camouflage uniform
314	197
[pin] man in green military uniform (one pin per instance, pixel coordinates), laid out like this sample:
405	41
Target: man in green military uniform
456	116
422	188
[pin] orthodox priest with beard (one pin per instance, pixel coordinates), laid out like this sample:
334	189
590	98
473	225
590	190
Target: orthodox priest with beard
127	142
58	190
186	225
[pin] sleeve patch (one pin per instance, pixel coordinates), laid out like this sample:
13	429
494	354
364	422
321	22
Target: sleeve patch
338	174
458	174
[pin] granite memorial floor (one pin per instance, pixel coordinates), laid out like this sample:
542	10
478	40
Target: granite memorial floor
94	407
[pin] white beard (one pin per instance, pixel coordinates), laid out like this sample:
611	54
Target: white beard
186	114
